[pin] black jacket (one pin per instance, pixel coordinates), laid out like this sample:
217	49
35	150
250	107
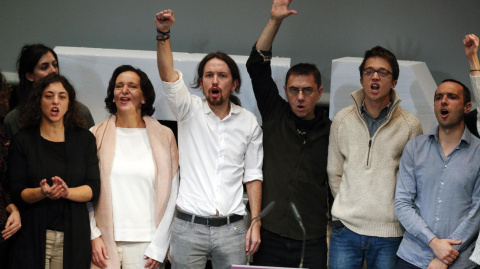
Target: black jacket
25	171
471	122
293	171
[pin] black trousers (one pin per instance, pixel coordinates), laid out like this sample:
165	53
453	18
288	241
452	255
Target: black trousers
276	250
402	264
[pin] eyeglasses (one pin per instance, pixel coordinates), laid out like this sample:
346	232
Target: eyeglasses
381	72
295	91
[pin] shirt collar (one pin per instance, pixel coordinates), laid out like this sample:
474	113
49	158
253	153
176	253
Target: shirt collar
383	111
234	109
466	136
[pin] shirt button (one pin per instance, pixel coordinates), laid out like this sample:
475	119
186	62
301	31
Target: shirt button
438	219
445	166
441	183
439	201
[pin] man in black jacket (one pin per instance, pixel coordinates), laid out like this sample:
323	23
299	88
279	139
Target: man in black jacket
295	155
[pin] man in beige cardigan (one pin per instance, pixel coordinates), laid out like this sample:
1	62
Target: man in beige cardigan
366	143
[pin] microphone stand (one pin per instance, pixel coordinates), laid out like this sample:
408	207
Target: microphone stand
299	220
303	245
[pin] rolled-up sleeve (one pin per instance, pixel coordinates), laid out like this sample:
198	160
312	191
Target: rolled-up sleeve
254	155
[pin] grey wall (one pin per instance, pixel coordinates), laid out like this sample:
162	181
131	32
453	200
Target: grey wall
429	31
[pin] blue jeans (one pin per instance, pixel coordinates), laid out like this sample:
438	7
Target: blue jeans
192	244
348	250
276	250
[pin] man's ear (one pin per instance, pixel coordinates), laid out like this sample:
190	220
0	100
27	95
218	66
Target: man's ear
235	85
467	107
320	91
394	83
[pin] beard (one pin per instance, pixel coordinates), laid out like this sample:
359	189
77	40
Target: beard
216	101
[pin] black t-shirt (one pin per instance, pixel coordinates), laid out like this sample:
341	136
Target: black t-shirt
305	126
54	163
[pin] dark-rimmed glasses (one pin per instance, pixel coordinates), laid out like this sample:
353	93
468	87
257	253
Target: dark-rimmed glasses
381	72
295	91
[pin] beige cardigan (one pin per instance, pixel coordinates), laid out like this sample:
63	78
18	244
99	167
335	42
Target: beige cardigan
165	154
362	172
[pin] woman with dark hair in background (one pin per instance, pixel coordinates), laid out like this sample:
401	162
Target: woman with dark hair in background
34	63
9	214
139	181
53	171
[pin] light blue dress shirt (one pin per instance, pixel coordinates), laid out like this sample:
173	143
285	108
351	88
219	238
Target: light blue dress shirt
438	196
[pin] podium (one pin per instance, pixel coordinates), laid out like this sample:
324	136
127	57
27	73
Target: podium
258	267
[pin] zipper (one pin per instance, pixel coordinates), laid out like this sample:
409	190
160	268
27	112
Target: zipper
369	146
389	115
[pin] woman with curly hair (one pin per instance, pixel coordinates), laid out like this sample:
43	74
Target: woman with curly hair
53	171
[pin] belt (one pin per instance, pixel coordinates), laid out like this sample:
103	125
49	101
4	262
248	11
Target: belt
213	221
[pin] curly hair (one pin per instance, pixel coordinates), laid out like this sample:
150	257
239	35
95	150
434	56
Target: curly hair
145	85
32	115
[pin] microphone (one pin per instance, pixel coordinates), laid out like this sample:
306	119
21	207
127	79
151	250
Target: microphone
299	220
260	216
266	210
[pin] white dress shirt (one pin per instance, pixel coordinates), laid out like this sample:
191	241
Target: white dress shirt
216	155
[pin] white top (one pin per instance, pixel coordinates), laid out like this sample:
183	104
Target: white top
132	183
216	156
133	195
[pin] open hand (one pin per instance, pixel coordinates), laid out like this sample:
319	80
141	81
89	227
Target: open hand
280	9
13	225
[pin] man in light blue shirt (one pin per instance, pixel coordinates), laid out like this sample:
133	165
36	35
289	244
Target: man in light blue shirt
438	188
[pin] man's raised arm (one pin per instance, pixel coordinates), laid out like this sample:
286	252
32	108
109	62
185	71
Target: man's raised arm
277	14
471	48
165	20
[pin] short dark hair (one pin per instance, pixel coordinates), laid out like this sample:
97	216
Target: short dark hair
145	85
231	65
32	113
381	52
26	62
467	97
305	69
